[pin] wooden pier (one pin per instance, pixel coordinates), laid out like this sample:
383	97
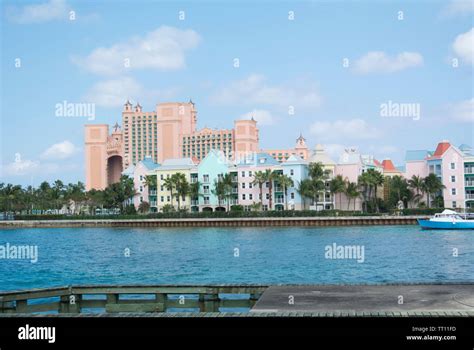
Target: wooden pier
119	299
386	300
221	222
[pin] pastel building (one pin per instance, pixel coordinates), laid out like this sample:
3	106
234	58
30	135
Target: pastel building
139	173
453	165
249	192
326	200
164	196
296	168
211	170
103	155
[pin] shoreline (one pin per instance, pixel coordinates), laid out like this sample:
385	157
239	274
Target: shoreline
219	222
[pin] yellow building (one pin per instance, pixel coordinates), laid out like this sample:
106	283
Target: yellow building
162	196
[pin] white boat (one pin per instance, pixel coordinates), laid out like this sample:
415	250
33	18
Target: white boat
447	220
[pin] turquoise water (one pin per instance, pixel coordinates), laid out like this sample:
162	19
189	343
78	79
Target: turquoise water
207	255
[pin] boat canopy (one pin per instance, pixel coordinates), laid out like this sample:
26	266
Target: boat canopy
449	212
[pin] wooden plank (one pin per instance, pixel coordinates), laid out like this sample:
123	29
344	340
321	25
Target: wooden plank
53	306
134	307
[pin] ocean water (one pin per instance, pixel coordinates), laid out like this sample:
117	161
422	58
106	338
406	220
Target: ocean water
287	255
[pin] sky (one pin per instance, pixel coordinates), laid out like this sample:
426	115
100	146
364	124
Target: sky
381	76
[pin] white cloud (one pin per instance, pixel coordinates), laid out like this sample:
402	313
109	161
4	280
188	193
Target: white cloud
114	92
20	167
344	129
39	13
334	150
463	46
458	8
380	62
263	117
462	111
255	90
162	49
61	150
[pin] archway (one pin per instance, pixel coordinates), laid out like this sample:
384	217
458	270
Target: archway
114	169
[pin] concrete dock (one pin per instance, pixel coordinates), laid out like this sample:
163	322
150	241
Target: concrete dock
381	300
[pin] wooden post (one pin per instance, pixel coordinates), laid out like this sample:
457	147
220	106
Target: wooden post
21	306
209	302
161	299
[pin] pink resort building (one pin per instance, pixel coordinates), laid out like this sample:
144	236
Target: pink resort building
169	132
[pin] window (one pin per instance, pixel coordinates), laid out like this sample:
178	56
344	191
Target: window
267	196
250	196
454	204
453	178
243	184
267	184
205	189
292	195
162	199
205	178
141	176
453	166
250	173
141	199
453	191
292	172
168	198
265	207
250	185
243	173
161	176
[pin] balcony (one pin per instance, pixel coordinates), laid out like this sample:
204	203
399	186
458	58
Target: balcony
469	195
279	201
235	190
469	183
153	204
194	202
152	193
469	170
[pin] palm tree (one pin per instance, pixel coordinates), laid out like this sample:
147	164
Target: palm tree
144	207
351	191
223	189
170	186
416	184
365	183
337	186
269	176
304	190
181	185
317	177
285	181
377	180
432	185
195	190
259	179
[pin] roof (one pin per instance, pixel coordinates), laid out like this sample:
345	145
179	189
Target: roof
388	166
294	160
416	155
466	149
320	156
149	163
441	148
177	163
258	159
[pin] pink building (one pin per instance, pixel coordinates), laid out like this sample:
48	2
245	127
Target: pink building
249	193
139	173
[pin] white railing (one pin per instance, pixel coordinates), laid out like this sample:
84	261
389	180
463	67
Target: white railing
469	170
469	195
469	183
152	193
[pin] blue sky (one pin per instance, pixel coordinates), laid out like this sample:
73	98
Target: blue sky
283	63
